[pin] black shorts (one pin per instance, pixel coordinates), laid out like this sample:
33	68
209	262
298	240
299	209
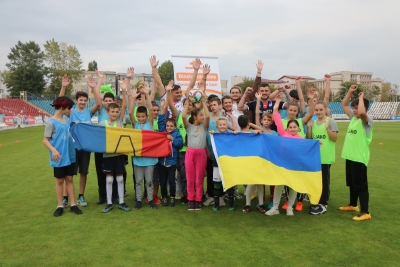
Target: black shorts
82	162
61	172
114	165
356	175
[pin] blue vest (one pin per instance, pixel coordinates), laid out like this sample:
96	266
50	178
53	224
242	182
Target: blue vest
82	117
64	144
144	161
103	116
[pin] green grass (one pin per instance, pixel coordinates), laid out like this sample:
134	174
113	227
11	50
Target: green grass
31	236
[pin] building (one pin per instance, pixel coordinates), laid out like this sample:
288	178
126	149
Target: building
236	80
4	93
292	78
224	87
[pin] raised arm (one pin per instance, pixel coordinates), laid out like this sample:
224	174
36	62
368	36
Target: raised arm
256	127
308	116
184	114
196	66
206	112
206	71
170	102
277	116
362	110
309	129
327	88
96	92
156	75
346	100
257	81
123	108
64	83
134	94
145	91
241	106
258	96
300	94
153	92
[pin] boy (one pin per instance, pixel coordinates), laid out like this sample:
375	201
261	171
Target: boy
81	114
58	140
356	152
114	164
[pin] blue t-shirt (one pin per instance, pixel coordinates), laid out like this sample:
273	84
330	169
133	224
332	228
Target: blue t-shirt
83	116
103	116
271	133
144	161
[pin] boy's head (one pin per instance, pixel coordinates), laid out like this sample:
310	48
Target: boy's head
156	109
176	93
267	120
108	98
295	95
113	111
227	103
141	114
354	105
81	99
243	121
235	93
264	90
214	104
170	125
222	125
119	102
63	103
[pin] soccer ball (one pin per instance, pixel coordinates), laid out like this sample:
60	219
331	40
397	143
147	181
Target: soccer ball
195	95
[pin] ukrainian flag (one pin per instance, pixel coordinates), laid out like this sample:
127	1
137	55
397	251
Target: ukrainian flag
101	139
272	160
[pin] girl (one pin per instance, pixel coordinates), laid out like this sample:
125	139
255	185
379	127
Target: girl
196	157
291	132
325	130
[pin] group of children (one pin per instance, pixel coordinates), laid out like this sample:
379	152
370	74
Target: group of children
189	126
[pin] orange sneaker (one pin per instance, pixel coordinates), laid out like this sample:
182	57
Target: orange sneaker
350	208
299	206
362	217
156	200
285	205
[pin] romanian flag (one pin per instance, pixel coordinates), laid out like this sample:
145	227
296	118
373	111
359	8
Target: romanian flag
248	158
132	142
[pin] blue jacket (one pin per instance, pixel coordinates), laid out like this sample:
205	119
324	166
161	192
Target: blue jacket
176	144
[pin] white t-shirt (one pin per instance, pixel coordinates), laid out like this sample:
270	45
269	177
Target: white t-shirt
178	105
235	112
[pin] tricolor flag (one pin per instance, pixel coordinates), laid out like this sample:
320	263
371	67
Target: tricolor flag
248	158
132	142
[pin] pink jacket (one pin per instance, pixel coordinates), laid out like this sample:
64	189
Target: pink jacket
281	130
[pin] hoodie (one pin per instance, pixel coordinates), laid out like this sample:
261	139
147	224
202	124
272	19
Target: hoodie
176	144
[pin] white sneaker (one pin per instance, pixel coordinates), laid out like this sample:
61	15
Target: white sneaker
178	196
289	211
221	202
209	201
272	211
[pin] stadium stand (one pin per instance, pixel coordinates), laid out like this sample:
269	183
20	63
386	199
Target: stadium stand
13	107
383	110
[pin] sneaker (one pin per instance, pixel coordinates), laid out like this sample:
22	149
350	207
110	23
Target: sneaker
350	208
285	205
152	205
306	197
191	205
208	202
178	196
289	211
231	207
318	210
216	207
270	205
272	211
362	217
138	205
59	211
246	209
172	202
226	197
65	202
164	201
100	201
184	200
197	205
299	206
261	208
81	201
124	207
75	210
221	202
237	195
107	208
156	200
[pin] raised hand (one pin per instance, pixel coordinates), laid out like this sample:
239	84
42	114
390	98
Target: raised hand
196	64
130	72
91	82
170	85
327	77
153	61
361	95
353	88
134	93
146	89
259	65
278	98
286	85
298	79
201	86
310	94
281	88
65	81
162	102
249	90
122	85
258	96
206	69
100	75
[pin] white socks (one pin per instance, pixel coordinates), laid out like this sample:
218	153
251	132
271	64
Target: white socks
109	182
120	181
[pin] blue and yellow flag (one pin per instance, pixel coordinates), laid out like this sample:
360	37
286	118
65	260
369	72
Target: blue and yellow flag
248	158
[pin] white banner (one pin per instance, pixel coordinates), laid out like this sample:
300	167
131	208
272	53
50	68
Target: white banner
183	71
340	116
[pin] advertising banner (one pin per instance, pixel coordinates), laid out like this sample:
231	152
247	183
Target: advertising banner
9	120
183	71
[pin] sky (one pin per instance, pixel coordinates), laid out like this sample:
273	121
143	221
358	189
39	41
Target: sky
308	38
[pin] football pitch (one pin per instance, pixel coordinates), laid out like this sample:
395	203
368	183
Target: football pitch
31	236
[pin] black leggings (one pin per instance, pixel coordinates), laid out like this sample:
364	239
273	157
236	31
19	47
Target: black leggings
218	190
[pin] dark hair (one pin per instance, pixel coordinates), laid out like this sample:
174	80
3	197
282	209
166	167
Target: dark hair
356	101
243	121
154	104
112	106
263	85
211	97
176	87
235	87
171	120
141	109
81	94
226	97
295	105
118	101
193	114
294	94
109	95
63	102
215	99
295	121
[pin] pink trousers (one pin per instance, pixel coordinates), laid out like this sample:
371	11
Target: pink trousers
195	164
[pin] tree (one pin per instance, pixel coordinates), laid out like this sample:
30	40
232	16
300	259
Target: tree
385	95
372	93
247	82
62	59
26	69
344	87
92	66
166	71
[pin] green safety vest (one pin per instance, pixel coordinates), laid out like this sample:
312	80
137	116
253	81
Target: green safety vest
181	128
114	124
356	142
301	127
327	149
